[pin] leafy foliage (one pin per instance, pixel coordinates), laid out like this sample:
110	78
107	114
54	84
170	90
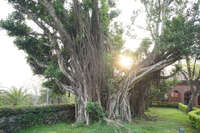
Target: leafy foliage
53	71
13	119
194	117
95	110
182	107
164	104
181	34
15	97
143	49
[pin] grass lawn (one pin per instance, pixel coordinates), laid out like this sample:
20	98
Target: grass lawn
167	120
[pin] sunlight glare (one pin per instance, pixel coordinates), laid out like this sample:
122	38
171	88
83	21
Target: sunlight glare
125	62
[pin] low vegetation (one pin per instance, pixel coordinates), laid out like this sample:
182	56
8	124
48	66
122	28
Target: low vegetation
164	120
182	107
194	117
15	118
164	104
14	97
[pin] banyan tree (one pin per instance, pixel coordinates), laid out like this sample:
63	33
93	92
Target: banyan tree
73	45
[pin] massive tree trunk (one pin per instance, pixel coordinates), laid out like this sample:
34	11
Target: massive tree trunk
138	98
86	65
119	107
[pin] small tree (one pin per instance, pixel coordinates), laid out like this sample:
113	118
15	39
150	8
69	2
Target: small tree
192	75
15	96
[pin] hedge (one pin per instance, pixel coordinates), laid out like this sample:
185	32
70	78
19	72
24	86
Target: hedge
164	104
183	107
13	119
194	117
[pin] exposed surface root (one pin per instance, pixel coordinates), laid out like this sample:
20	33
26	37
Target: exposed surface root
120	127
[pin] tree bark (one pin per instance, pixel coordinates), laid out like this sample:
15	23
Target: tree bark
138	98
82	116
119	108
192	100
191	84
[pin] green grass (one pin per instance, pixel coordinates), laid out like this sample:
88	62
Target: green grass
70	128
166	120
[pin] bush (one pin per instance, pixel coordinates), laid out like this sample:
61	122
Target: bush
95	111
164	104
194	117
13	119
195	108
182	107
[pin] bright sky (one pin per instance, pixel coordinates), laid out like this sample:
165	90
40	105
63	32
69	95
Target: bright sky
126	7
14	71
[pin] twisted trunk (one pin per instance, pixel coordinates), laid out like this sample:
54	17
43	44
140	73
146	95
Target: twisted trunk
119	108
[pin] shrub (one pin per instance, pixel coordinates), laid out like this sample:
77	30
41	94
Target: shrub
182	107
194	117
164	104
13	119
95	110
15	97
195	108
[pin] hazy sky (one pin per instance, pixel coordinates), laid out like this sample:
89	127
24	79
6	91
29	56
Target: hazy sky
14	71
13	68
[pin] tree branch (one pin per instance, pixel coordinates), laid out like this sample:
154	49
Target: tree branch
194	68
66	87
158	66
171	75
62	65
198	77
39	63
184	74
65	37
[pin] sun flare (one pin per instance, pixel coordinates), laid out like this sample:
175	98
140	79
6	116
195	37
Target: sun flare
125	62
